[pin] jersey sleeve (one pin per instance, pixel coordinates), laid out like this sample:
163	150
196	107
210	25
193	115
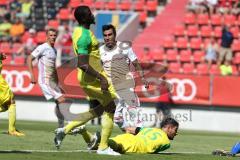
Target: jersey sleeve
37	52
131	55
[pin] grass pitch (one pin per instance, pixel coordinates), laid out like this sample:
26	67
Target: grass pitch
38	145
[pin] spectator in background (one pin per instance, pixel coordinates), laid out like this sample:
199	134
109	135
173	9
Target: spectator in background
25	9
15	7
5	27
225	52
64	39
226	69
3	12
209	6
236	8
194	5
29	45
17	30
211	52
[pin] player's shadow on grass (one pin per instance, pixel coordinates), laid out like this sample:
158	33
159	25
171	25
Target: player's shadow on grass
15	151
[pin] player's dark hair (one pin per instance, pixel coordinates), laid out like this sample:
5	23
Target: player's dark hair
169	121
81	14
109	26
51	29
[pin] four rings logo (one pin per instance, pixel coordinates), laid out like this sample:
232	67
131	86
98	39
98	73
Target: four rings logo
180	88
16	79
181	85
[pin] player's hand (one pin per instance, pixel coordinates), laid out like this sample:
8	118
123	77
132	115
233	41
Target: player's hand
104	84
145	82
3	56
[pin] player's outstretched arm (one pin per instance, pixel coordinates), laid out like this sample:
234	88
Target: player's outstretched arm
83	64
30	68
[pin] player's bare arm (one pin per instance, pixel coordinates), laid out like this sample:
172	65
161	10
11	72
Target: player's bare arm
83	63
141	73
30	68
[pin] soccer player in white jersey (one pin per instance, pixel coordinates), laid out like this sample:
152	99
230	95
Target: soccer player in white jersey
116	58
46	55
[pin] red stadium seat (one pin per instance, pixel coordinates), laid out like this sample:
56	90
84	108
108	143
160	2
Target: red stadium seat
236	59
203	19
202	69
19	60
64	14
182	43
189	18
179	30
175	67
216	20
206	42
143	16
196	43
236	45
139	5
16	47
8	60
4	2
234	70
188	68
158	54
229	20
168	42
185	56
172	55
53	23
111	5
5	47
217	32
25	36
192	31
206	31
151	5
74	3
99	5
41	37
214	70
235	31
125	5
198	55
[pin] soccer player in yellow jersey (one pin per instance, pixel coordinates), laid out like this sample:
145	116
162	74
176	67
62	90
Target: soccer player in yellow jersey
93	81
7	102
145	140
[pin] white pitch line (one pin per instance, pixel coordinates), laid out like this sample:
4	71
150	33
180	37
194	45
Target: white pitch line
85	151
48	151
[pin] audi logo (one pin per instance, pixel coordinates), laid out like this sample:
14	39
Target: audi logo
16	79
180	85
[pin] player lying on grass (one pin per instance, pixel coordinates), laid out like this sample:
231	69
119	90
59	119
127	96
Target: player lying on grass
234	152
144	140
7	102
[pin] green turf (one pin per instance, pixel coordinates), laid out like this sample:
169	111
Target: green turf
39	136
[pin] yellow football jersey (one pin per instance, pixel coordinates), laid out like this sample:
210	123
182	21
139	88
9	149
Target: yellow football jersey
148	140
5	91
85	43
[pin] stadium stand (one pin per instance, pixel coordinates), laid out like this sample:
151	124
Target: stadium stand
183	38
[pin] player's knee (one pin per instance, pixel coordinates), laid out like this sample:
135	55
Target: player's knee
111	107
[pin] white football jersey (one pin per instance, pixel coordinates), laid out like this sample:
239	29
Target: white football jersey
46	56
116	62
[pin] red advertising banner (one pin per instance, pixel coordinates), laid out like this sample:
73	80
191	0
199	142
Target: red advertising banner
226	91
186	89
